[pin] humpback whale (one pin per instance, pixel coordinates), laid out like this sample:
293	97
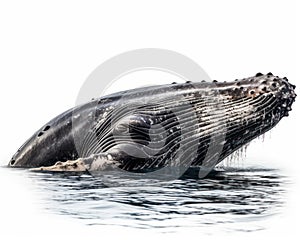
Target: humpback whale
148	128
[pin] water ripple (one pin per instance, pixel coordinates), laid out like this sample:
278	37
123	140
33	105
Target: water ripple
235	199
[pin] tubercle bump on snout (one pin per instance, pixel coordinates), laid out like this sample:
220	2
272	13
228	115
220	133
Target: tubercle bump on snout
260	84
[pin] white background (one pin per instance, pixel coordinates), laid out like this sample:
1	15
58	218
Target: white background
47	50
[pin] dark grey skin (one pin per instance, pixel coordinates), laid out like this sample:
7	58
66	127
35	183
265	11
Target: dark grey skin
143	129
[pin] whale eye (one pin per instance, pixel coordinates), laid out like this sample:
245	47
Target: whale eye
122	128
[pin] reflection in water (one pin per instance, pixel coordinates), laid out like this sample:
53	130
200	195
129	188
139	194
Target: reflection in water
235	199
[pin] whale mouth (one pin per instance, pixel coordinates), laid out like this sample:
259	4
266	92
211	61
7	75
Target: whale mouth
151	135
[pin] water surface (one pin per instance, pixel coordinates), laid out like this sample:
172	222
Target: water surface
238	199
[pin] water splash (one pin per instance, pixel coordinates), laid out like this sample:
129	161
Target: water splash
235	160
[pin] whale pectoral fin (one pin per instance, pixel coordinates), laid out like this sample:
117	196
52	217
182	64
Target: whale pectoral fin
95	162
68	166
